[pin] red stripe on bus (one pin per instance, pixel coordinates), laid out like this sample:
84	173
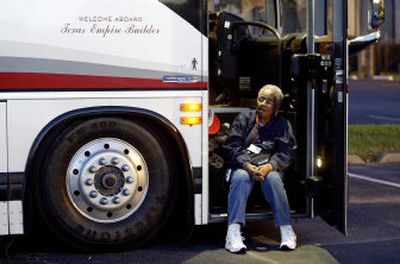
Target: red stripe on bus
9	81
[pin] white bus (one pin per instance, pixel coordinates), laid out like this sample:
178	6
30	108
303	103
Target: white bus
105	106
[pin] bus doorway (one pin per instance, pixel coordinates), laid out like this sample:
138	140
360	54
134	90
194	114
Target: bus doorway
301	46
248	48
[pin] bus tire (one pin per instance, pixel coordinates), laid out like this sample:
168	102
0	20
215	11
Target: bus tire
106	184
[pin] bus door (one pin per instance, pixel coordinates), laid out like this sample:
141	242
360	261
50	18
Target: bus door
321	82
327	106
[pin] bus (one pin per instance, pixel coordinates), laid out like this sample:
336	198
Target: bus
112	115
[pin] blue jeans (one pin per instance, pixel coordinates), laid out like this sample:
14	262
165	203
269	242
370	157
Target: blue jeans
241	186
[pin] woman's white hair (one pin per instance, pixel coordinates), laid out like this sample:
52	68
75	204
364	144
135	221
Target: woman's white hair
275	91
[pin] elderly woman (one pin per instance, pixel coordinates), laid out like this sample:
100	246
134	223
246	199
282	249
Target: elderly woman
260	148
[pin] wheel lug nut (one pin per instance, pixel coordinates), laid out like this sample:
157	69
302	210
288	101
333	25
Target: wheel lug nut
126	192
92	169
115	160
93	194
129	179
89	182
102	161
116	200
104	201
125	167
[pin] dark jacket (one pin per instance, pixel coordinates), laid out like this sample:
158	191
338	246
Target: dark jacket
276	138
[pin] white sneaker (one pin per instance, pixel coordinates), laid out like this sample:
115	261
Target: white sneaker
234	240
288	238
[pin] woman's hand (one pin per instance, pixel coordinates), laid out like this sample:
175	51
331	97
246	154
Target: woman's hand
251	169
262	172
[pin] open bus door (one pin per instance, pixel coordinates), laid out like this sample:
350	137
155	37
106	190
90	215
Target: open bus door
320	80
327	108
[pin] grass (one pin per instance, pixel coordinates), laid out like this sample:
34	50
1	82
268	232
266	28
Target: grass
369	141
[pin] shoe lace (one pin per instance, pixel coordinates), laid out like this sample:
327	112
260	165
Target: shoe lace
237	237
286	235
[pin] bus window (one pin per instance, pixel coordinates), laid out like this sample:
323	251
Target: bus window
293	17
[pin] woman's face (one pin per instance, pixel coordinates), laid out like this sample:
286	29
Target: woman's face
266	106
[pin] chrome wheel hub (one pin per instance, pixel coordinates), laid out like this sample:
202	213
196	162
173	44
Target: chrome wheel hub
107	180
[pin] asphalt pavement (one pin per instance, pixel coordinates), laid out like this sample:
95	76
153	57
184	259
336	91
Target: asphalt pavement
373	221
374	102
374	216
373	235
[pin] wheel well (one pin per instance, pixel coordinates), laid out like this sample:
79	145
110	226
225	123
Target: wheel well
157	124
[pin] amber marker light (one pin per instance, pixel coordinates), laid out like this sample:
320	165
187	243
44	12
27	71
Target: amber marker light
191	107
191	120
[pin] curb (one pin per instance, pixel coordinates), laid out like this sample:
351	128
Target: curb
382	159
355	160
389	158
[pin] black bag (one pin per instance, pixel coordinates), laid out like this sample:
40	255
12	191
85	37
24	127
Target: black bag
260	158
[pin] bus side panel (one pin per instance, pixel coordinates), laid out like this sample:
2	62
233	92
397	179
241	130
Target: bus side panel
31	116
11	219
3	138
3	171
92	45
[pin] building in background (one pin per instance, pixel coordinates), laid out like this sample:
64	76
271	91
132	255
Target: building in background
380	59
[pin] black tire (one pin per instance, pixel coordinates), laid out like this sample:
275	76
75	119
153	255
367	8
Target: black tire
62	206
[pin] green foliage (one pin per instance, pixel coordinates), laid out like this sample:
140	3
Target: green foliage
369	141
